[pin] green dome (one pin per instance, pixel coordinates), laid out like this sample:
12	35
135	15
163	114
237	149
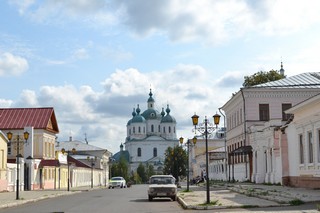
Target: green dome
150	99
150	114
168	118
138	119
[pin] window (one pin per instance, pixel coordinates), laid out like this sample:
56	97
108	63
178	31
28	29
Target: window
301	149
134	130
164	129
139	152
310	147
159	128
169	129
264	112
9	148
155	153
285	116
139	129
152	128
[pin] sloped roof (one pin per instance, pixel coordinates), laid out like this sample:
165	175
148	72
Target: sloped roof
303	80
18	118
78	145
124	153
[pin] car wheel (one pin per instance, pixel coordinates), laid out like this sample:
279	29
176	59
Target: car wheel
150	198
174	198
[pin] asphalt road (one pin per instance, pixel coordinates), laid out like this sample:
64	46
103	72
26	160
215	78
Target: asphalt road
133	199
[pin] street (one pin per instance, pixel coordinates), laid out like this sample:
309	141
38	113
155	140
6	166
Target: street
133	199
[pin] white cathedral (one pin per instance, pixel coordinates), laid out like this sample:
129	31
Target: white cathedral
149	134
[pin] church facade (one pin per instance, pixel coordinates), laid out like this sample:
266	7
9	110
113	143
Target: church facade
149	134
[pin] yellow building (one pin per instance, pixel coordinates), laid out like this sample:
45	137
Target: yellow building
3	162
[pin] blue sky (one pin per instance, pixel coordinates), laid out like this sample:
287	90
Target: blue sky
94	60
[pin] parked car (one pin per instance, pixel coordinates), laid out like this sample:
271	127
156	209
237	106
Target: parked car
162	186
117	182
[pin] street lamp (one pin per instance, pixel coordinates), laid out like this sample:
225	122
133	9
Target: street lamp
206	128
25	136
194	140
73	151
92	161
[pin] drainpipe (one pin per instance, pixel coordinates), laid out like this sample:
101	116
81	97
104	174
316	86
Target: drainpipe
245	127
225	143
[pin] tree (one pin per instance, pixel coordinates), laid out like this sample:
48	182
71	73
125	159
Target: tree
150	170
262	77
141	170
120	168
175	162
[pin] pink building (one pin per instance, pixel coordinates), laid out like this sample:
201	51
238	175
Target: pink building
254	115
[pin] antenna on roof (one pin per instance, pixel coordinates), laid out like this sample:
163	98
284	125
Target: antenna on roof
70	137
85	138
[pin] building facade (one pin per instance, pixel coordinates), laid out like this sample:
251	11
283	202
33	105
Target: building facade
302	137
42	126
253	116
3	162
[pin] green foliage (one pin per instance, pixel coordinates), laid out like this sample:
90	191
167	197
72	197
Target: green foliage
120	169
175	162
150	170
212	203
262	77
296	202
142	173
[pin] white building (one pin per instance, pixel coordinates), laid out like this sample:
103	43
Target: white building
303	141
149	134
253	116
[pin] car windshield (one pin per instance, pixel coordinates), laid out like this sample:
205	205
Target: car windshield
116	178
161	180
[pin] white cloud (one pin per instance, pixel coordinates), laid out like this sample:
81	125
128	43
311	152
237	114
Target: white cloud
12	65
80	54
182	20
22	5
103	115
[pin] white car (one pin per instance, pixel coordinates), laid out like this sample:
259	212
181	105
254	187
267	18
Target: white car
117	182
162	186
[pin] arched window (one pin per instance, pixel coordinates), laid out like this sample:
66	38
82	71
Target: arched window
159	128
139	129
152	128
169	129
134	130
139	152
155	153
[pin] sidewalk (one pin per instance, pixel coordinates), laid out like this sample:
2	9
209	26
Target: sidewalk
8	199
245	195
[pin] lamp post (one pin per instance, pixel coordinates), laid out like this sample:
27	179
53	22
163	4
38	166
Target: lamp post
206	128
26	136
92	161
194	140
73	151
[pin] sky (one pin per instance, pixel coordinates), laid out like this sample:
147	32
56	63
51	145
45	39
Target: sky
95	60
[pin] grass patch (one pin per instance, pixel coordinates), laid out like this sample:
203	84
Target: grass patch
296	202
186	190
249	206
265	193
212	203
